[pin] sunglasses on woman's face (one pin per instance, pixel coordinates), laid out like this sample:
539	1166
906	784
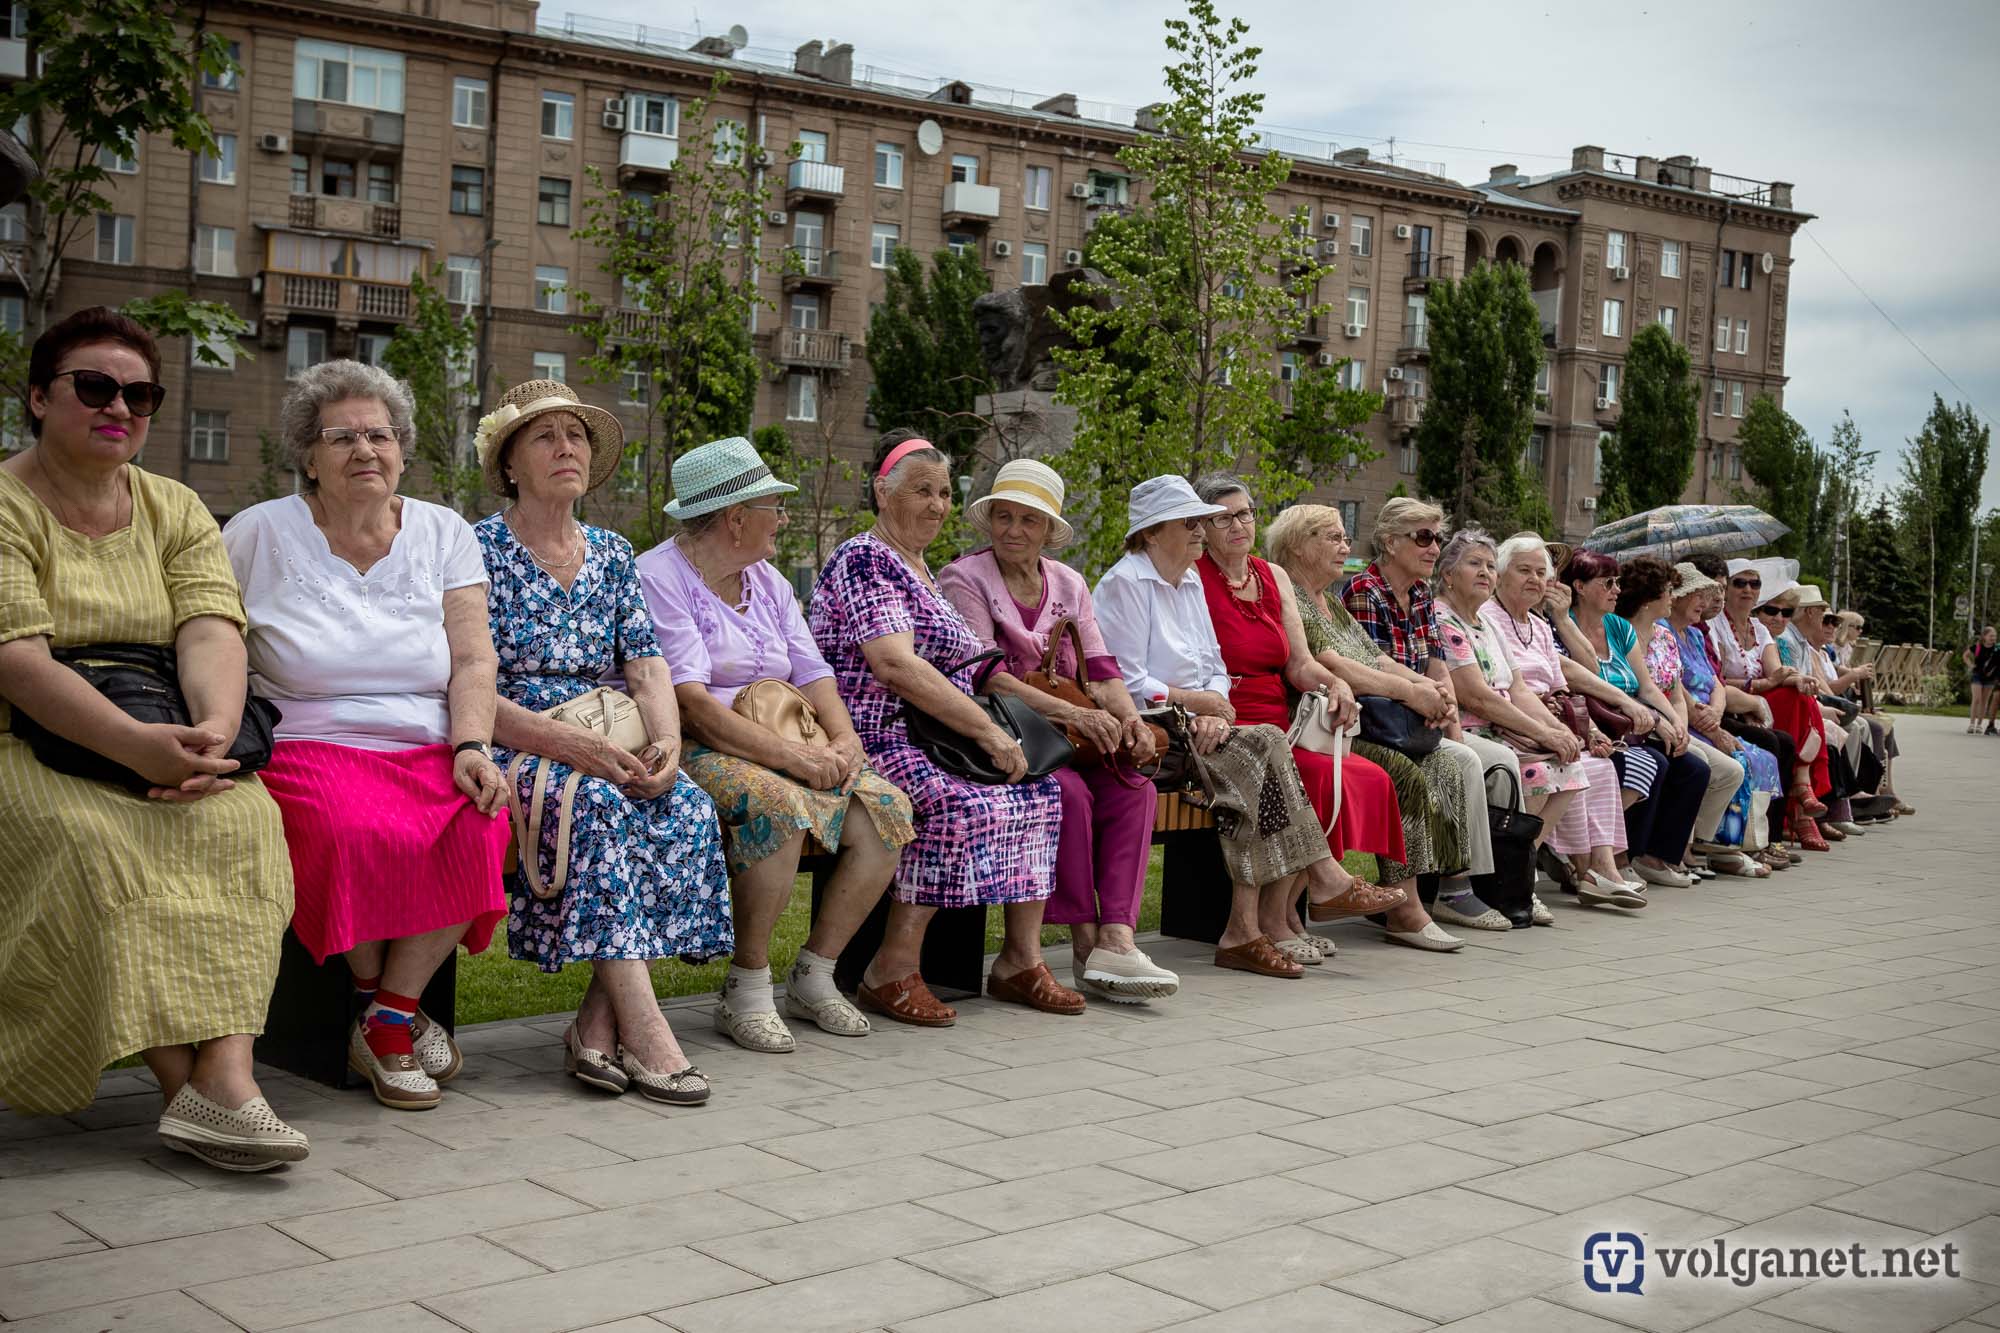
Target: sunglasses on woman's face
1746	583
1782	612
94	388
1425	537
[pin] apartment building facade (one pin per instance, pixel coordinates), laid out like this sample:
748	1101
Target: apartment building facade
363	142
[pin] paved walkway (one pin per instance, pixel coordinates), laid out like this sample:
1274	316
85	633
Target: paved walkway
1395	1141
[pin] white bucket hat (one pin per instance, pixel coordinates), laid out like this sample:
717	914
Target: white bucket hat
1161	499
1810	595
719	474
1032	485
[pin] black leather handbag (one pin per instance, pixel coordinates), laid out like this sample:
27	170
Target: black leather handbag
1045	748
1510	889
1387	722
143	680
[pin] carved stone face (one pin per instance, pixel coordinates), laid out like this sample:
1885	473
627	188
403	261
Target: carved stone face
1001	321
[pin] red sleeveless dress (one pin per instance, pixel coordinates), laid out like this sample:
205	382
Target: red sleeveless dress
1255	650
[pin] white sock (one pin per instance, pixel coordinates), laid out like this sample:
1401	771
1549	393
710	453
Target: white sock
812	978
747	990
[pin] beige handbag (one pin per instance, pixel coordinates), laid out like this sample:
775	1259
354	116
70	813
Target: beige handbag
778	707
611	714
1312	729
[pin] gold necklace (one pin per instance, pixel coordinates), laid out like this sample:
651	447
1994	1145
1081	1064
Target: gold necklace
553	566
62	510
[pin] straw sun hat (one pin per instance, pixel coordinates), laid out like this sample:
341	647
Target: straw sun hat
533	398
1031	485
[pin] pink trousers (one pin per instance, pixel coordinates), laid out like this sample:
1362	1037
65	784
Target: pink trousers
1107	828
1596	818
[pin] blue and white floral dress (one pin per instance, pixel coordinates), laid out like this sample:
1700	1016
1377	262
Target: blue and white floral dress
646	878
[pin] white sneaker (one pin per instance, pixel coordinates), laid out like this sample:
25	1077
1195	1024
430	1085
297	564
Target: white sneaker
1665	876
1850	828
1431	938
1130	977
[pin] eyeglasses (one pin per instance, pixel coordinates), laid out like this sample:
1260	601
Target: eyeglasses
1242	518
768	509
348	437
1784	612
1338	538
94	388
1425	537
1191	524
1746	583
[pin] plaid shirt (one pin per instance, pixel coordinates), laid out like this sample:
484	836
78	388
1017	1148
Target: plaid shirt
1413	639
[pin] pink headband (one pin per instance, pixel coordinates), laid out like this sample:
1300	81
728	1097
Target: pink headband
900	452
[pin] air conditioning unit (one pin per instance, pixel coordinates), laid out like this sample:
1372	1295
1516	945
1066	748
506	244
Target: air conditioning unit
614	113
1324	360
1072	257
1002	249
1354	330
777	217
1604	404
1394	372
1588	503
1329	249
1402	231
274	143
1080	190
1620	273
1329	222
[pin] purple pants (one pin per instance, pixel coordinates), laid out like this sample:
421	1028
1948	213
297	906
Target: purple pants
1107	829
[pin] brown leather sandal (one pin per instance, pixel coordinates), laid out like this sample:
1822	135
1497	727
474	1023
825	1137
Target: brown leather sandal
906	1001
1360	899
1037	988
1260	956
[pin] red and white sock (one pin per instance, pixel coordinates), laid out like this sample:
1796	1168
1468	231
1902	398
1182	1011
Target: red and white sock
385	1024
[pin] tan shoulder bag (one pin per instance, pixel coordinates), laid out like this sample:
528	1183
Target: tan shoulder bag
610	713
779	708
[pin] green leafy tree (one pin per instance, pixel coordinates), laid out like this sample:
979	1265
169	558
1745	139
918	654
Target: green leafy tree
1649	454
674	333
1175	372
1780	458
1319	435
1486	348
1848	465
1890	587
1943	469
433	353
923	352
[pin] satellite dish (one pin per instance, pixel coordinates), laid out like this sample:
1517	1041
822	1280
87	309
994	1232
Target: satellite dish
930	137
739	36
1768	262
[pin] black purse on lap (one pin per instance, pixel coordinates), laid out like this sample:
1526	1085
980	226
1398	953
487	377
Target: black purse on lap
143	680
1045	748
1397	726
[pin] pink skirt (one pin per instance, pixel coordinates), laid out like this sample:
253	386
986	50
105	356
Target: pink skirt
384	845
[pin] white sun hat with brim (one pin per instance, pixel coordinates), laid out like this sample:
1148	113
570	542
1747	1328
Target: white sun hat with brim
533	398
719	474
1031	485
1163	499
1779	573
1810	595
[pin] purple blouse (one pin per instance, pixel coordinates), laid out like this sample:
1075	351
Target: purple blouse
708	642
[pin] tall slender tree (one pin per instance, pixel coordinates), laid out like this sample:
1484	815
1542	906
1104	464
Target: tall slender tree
923	351
433	353
1788	475
1943	469
1486	348
1649	454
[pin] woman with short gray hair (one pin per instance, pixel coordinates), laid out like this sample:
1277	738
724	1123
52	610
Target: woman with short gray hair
367	626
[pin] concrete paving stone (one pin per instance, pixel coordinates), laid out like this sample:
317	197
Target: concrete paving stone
1055	1196
874	1296
1391	1173
1925	1051
1753	1090
691	1131
1532	1315
1022	1260
1804	1121
84	1185
26	1237
138	1270
394	1225
591	1237
567	1115
1048	1149
1363	1092
1666	1307
404	1318
853	1072
1082	1106
1658	1222
1756	1022
1924	1200
1707	1062
1898	1098
1649	1112
1609	1082
1327	1065
1251	1267
1749	1191
593	1294
825	1149
1171	1092
1844	1070
1307	1308
1209	1120
1534	1138
807	1249
1499	1102
1368	1131
1204	1057
1754	1321
159	1312
1957	1130
1222	1161
1666	1036
664	1177
368	1281
1882	1307
222	1202
1459	1280
1223	1212
1982	1166
1813	1225
1567	1183
406	1176
1861	1159
1022	1082
1419	1223
870	1104
1693	1149
1107	1303
1980	1076
1445	1046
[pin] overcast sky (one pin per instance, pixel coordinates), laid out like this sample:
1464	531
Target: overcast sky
1887	118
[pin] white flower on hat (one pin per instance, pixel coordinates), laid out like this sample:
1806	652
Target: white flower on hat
493	423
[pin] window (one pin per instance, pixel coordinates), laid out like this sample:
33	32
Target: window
220	169
371	348
653	113
215	250
217	353
1034	264
1722	333
882	246
381	182
1107	188
1361	239
208	437
1353	374
116	236
1406	457
809	238
13	313
229	80
336	178
356	75
1736	398
964	169
304	349
558	115
1670	259
812	145
961	242
1357	307
1670	318
1614	249
1416	381
552	204
551	366
634	293
468	190
1289	368
1416	323
14	223
551	289
1735	463
632	387
802	398
1742	344
301	174
888	175
1725	268
468	103
727	140
1607	382
1535	457
1717	397
1036	186
1542	383
1350	516
117	162
804	312
1743	270
1614	318
461	279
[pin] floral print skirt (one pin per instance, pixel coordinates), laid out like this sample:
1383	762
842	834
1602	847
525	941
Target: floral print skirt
763	810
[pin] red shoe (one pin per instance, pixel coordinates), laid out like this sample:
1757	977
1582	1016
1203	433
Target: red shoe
1802	793
1804	830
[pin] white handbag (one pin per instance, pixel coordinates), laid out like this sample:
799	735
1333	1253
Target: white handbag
1312	729
611	714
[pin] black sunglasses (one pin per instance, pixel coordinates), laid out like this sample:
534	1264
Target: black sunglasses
94	388
1425	537
1746	583
1783	611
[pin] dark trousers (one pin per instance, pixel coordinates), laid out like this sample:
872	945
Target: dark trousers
1661	824
1777	743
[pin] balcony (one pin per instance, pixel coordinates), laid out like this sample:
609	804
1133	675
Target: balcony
1406	408
966	204
1312	333
347	299
319	123
634	326
1286	391
810	266
320	212
647	152
1425	267
1548	306
811	349
807	181
1416	345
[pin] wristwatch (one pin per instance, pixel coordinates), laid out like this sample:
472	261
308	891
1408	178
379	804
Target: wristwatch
463	746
